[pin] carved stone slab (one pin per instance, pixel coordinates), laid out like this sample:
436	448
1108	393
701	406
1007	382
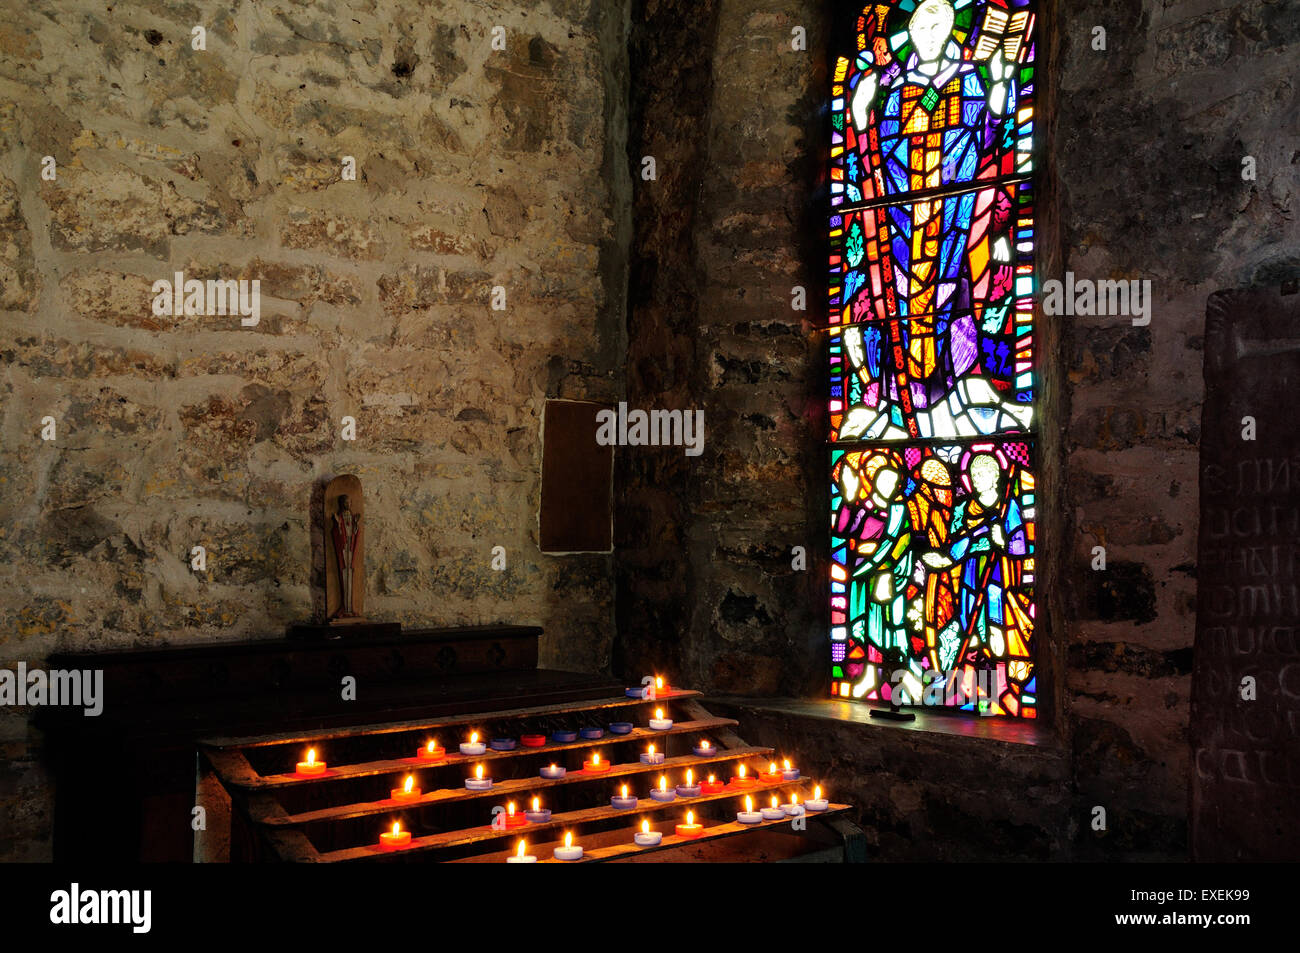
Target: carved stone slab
1245	784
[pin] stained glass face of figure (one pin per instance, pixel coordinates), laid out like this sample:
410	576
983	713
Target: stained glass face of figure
929	28
984	474
886	485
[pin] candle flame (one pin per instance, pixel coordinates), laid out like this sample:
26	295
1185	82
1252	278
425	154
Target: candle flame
520	852
510	808
690	776
537	804
711	779
652	751
749	804
410	780
645	827
624	790
817	793
478	772
595	759
553	768
787	764
311	755
690	818
659	682
659	714
397	826
742	770
432	746
704	743
568	838
794	799
473	737
771	767
663	783
774	801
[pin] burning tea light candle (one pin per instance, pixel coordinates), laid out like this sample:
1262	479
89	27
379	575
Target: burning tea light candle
661	687
816	802
794	807
473	747
478	782
690	788
623	801
788	772
532	741
538	814
311	768
595	765
771	775
704	749
748	815
646	837
659	722
513	819
663	792
690	828
712	785
564	736
391	840
742	780
650	756
773	812
503	744
620	727
432	751
569	851
407	793
553	772
520	857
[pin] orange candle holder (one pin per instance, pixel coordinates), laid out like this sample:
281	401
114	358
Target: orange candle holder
711	786
431	752
690	828
407	793
311	768
595	765
395	839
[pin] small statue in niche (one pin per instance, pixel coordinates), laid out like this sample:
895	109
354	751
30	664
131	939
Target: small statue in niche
346	533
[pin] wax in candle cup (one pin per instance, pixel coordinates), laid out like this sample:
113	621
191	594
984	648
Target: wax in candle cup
532	741
659	722
478	782
569	851
503	744
646	837
407	793
520	857
431	752
473	747
620	727
564	737
592	734
749	815
395	839
595	765
690	828
311	768
651	756
705	750
553	772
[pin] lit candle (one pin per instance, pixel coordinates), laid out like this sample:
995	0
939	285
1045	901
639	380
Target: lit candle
646	837
503	744
407	793
595	765
794	807
774	812
771	776
690	828
538	814
569	851
564	736
532	741
519	857
663	792
690	788
392	840
712	785
311	768
816	802
623	801
478	782
748	815
659	722
704	749
513	819
650	756
788	772
620	727
553	771
592	734
473	747
660	687
742	780
432	751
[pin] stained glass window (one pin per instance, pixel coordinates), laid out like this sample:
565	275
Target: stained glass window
930	341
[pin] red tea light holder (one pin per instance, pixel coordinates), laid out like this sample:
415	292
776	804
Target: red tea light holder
595	765
408	793
742	779
532	741
771	775
712	785
690	829
432	751
396	838
311	768
507	818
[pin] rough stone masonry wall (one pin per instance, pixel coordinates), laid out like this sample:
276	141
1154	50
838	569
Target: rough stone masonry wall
1146	180
476	168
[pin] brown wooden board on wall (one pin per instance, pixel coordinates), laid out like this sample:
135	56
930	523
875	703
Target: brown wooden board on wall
577	481
1245	775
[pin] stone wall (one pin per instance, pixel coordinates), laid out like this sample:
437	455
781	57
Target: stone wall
475	168
1143	181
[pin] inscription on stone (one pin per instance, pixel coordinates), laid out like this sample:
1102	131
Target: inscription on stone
1245	718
